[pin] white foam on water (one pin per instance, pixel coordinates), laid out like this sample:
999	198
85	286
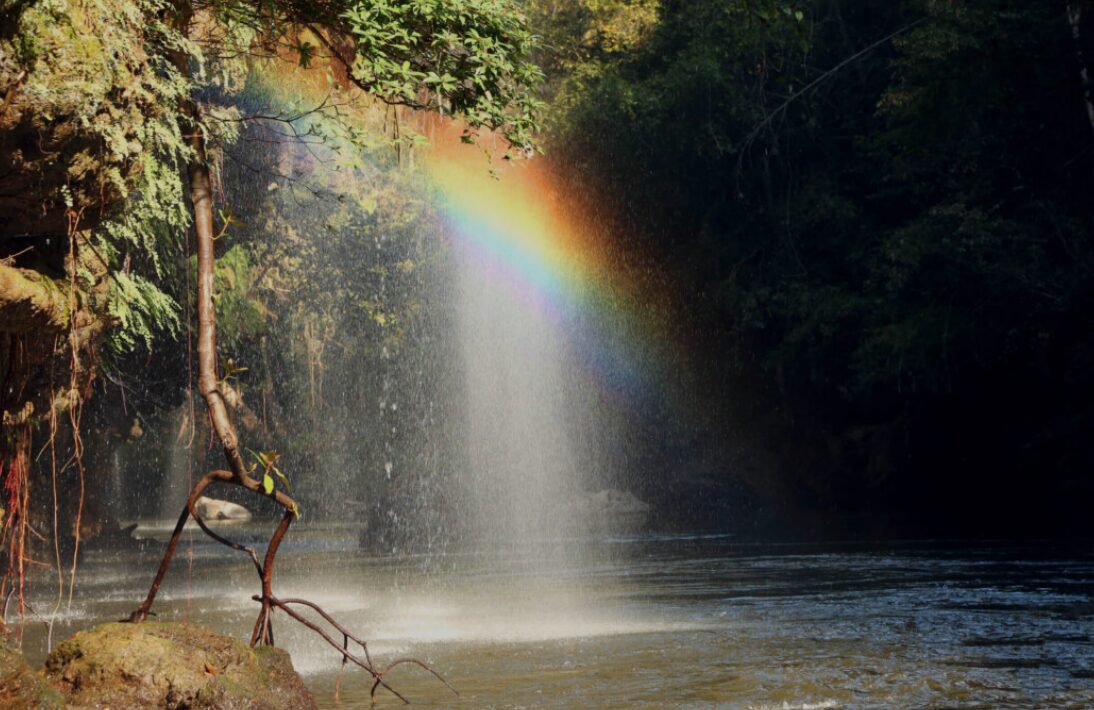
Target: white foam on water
419	627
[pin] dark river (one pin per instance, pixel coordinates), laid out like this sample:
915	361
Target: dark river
649	621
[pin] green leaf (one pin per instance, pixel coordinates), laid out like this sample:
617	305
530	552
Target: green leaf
268	483
284	479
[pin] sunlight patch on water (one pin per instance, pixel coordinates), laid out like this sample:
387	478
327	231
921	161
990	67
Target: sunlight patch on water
427	629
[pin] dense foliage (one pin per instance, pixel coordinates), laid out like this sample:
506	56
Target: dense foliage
888	204
89	127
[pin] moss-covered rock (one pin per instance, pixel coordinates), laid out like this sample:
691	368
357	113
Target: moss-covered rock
166	665
21	688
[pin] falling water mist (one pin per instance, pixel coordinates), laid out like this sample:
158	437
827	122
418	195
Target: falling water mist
522	476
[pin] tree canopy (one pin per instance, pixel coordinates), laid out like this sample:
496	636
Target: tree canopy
886	204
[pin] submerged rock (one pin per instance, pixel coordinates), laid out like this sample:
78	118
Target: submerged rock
21	688
176	666
109	537
216	509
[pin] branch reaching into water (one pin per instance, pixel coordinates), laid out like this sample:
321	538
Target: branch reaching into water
263	630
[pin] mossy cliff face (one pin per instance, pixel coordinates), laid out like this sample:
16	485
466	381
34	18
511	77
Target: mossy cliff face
76	91
177	666
90	190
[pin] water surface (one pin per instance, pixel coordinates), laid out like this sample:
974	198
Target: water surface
654	620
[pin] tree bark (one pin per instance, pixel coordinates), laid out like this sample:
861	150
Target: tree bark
201	198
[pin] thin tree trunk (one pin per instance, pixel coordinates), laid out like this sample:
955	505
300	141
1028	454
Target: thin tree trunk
201	198
1075	17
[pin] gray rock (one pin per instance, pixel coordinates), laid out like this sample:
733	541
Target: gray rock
216	509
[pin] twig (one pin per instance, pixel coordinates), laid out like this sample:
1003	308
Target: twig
225	541
416	662
769	118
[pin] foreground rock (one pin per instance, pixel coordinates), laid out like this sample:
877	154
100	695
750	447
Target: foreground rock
20	687
172	666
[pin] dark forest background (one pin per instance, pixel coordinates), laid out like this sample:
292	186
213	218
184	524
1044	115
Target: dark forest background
884	212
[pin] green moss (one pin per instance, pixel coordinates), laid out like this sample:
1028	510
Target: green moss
172	665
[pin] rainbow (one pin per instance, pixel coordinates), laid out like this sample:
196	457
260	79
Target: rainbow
516	224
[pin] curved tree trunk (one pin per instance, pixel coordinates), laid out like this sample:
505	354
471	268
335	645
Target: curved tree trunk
201	197
217	398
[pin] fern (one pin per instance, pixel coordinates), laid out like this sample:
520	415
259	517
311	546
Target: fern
140	310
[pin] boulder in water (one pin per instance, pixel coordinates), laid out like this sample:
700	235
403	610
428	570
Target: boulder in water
216	509
169	665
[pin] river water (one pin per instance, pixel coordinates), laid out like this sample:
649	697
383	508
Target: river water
651	621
